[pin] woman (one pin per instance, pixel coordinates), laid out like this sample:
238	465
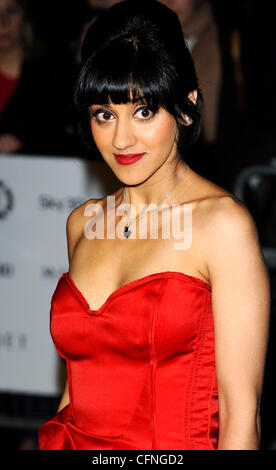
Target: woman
164	337
27	121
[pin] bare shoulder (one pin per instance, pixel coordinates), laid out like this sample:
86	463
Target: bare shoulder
74	218
230	242
78	217
225	226
75	224
225	215
218	209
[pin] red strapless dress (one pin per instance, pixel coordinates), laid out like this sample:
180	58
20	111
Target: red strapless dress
141	368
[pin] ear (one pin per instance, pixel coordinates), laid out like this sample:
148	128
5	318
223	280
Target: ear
193	96
187	120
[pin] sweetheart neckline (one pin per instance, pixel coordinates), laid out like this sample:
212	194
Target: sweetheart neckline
131	284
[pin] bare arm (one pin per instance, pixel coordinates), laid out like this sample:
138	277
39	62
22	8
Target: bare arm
241	307
65	399
9	143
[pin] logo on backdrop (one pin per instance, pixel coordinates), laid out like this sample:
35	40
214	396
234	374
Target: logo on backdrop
52	272
6	270
6	200
49	202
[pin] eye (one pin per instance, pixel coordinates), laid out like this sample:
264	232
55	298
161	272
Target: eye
145	112
102	115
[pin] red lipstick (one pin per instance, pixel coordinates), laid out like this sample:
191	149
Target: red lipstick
128	158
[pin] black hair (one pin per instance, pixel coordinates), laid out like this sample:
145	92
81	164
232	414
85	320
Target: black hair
134	51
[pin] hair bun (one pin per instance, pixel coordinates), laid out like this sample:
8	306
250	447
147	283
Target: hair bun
148	10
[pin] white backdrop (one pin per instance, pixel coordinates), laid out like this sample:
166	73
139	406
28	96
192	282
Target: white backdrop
36	196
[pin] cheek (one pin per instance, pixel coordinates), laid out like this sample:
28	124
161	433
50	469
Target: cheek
161	134
99	135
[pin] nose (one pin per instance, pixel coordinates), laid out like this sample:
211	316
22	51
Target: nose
124	135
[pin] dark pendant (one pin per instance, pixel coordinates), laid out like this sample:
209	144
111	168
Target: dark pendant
127	232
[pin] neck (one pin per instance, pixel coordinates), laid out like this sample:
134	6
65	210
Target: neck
153	190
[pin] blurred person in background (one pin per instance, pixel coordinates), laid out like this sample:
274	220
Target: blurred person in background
27	87
232	44
27	121
200	30
252	38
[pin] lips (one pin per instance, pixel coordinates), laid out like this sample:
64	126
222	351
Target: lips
128	155
129	158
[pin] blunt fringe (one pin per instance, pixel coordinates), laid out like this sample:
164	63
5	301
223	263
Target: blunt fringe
134	51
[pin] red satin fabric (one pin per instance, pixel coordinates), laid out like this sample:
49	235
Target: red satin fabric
141	368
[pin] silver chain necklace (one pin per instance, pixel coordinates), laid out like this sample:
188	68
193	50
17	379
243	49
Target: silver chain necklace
127	231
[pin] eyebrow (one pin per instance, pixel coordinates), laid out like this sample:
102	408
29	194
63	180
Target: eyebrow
100	104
